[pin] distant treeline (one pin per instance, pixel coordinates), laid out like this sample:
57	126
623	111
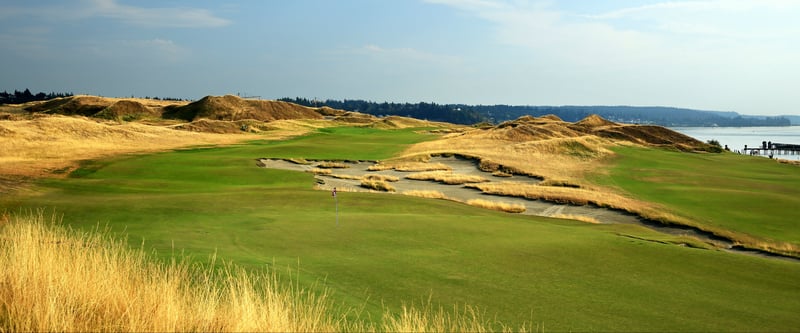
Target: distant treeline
657	115
19	97
472	114
428	111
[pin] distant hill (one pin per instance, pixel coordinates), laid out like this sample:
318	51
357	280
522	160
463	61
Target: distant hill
656	115
234	108
472	114
795	120
225	108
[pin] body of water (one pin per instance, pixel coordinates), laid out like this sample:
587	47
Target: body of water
737	137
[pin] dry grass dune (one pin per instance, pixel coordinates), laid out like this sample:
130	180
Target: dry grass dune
563	154
43	145
233	108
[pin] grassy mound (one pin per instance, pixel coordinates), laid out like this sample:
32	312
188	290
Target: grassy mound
233	108
127	111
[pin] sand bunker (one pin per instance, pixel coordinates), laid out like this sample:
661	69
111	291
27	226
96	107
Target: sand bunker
349	180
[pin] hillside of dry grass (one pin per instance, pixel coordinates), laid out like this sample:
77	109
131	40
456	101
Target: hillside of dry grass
233	108
560	153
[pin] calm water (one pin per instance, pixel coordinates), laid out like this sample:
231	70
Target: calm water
737	137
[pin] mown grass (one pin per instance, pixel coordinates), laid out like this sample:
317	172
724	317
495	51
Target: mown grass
390	250
743	194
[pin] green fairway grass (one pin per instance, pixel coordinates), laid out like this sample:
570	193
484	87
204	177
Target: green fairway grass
753	196
389	249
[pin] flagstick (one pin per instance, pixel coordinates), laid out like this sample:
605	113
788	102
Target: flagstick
336	199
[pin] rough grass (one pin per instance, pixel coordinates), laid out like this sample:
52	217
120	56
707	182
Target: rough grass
447	177
385	178
340	176
377	185
333	165
582	218
565	195
42	145
426	194
318	171
409	166
495	205
57	279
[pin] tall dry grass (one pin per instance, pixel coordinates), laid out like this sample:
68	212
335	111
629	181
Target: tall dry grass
385	178
430	194
377	185
447	177
495	205
409	166
57	279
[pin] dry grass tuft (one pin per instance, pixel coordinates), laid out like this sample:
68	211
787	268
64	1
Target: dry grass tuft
566	195
500	173
409	166
377	185
582	218
318	171
333	165
340	176
300	161
385	178
501	206
558	183
426	194
447	177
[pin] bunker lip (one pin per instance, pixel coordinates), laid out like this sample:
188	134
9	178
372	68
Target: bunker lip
348	179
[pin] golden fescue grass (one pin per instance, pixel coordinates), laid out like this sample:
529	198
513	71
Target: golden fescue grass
385	178
566	195
340	176
558	183
333	165
499	173
300	161
447	177
426	194
582	218
428	319
318	171
57	279
377	185
556	157
501	206
38	146
409	166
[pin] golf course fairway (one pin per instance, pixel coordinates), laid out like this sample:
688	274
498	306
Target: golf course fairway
389	250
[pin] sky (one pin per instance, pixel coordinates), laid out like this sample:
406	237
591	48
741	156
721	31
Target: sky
724	55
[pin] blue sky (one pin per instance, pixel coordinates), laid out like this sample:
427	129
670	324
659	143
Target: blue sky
731	55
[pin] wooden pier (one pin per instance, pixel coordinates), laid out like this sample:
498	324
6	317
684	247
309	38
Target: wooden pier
773	148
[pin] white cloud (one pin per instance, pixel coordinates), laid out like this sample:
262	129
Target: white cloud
155	17
705	54
170	17
144	51
404	54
